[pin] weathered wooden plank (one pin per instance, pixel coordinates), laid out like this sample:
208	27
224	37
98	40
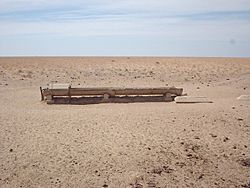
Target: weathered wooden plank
56	90
192	99
66	90
59	86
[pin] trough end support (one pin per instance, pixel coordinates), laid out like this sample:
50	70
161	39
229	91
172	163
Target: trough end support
42	96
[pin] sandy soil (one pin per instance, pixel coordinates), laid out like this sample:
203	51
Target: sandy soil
150	144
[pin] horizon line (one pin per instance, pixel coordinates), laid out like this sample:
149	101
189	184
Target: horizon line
119	56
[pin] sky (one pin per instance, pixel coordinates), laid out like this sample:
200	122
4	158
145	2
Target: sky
217	28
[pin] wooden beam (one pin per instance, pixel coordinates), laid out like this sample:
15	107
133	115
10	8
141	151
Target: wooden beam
112	91
192	99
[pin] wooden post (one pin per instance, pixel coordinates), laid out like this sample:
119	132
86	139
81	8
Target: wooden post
42	97
167	97
69	93
106	97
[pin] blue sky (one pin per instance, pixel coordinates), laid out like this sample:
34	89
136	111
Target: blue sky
125	28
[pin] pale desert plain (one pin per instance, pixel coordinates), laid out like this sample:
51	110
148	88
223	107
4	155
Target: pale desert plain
130	145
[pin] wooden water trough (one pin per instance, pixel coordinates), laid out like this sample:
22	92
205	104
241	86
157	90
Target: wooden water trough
49	93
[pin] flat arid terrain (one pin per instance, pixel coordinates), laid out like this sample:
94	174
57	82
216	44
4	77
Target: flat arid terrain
130	145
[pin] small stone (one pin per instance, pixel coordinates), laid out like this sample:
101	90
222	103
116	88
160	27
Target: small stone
245	162
225	139
240	119
11	150
201	176
213	135
189	155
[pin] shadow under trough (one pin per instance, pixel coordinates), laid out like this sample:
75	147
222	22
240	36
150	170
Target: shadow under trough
116	99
